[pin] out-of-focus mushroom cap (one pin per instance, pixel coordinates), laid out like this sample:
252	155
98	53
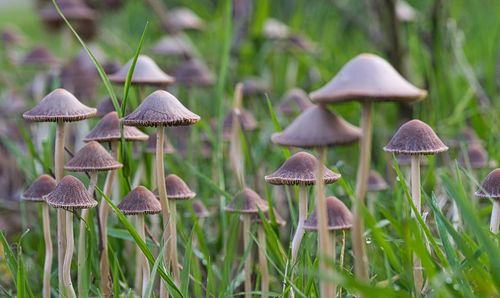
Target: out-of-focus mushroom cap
246	118
490	188
415	137
39	55
476	156
41	187
177	189
193	72
174	45
274	29
247	201
108	129
140	201
106	106
70	193
146	72
278	218
254	86
200	209
180	19
297	97
73	10
405	12
92	158
376	182
339	216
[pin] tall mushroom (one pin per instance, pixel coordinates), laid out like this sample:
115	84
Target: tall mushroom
70	195
368	79
490	188
59	106
162	109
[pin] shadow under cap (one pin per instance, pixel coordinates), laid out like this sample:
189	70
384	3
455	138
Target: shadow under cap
376	182
108	129
41	187
476	156
140	201
368	77
415	138
59	105
146	72
490	188
300	169
70	194
317	127
161	108
177	189
92	158
339	216
247	201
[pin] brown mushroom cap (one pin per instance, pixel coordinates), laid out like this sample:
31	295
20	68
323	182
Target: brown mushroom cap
146	72
415	138
59	105
376	182
200	209
177	189
297	97
300	169
140	201
368	77
476	156
173	45
92	158
39	55
490	188
168	148
42	186
161	108
339	216
70	193
278	218
108	129
317	127
180	19
193	72
247	201
247	121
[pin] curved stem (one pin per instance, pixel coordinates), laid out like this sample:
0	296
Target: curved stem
173	243
248	261
144	261
47	266
495	217
299	233
59	173
416	198
68	256
264	270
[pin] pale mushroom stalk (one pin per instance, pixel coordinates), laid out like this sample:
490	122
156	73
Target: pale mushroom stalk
144	261
342	254
299	233
61	218
333	243
264	269
47	266
68	256
173	235
247	221
416	198
495	217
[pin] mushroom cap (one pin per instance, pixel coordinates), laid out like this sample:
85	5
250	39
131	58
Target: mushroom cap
161	108
200	209
39	55
70	193
476	156
376	182
173	45
254	86
11	35
193	72
247	121
278	218
415	138
42	186
295	96
467	137
367	77
59	105
168	148
247	201
108	129
317	127
490	188
177	189
339	216
106	106
73	10
92	158
300	169
146	72
140	201
182	18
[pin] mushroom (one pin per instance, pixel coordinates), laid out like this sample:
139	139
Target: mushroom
70	195
106	106
141	201
490	188
375	184
42	186
162	109
92	158
369	79
173	45
246	120
200	210
247	202
39	56
416	138
59	106
294	97
476	157
181	19
317	127
193	72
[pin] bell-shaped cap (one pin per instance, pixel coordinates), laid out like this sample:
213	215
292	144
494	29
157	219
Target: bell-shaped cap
73	10
300	169
161	108
415	138
168	148
106	106
294	97
177	189
490	188
180	19
173	45
59	105
368	77
70	193
376	182
317	127
200	209
39	55
476	156
41	187
278	218
467	137
108	129
338	215
140	201
146	72
247	201
92	158
246	118
193	72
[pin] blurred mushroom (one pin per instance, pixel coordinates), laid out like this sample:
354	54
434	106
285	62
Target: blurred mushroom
146	73
182	19
173	45
294	100
375	184
193	72
82	17
490	188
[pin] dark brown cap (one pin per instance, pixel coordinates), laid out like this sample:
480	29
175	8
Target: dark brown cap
294	97
368	77
339	216
70	193
490	188
173	45
180	19
177	189
92	158
376	182
193	72
146	72
199	209
415	137
300	169
41	187
168	148
246	118
108	129
140	201
317	127
59	105
476	156
39	55
106	106
161	108
247	201
278	218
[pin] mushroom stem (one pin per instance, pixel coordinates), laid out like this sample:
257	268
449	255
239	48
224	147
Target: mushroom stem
324	244
333	243
247	221
48	250
415	195
359	249
103	221
342	253
264	270
82	242
173	235
144	261
59	173
299	233
70	245
495	217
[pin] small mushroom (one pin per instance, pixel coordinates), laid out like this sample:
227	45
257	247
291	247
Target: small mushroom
476	157
106	106
375	184
173	45
182	19
39	56
193	72
295	97
490	188
146	73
